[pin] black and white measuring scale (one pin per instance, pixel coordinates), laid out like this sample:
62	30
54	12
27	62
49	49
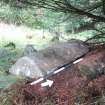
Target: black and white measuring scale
54	72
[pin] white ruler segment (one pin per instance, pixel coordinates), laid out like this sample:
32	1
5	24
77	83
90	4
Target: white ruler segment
77	61
37	81
59	70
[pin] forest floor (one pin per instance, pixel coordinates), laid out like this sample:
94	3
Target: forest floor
69	88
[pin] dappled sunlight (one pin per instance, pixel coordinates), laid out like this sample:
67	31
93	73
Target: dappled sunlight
22	34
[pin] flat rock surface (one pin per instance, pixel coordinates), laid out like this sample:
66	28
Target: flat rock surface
39	62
